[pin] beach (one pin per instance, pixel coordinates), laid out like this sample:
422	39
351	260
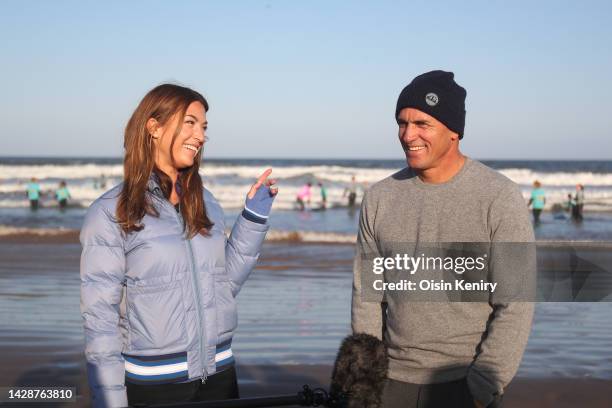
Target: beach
293	313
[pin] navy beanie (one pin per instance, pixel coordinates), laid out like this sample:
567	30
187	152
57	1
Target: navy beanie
437	94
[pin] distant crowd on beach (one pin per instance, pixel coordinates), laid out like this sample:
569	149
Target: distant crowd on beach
574	204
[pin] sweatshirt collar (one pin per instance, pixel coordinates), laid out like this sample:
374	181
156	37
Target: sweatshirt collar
420	183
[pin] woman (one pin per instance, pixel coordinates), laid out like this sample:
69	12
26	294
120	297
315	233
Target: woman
159	277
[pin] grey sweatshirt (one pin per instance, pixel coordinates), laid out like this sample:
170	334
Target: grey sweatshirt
445	341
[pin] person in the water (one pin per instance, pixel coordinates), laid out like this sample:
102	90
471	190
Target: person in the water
537	201
323	196
579	200
351	190
33	193
303	196
62	195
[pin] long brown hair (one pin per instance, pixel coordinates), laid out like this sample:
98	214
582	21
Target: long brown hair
161	104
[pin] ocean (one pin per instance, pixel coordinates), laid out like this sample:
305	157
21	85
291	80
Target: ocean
230	179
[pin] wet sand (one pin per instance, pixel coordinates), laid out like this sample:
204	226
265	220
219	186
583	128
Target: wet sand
265	380
45	348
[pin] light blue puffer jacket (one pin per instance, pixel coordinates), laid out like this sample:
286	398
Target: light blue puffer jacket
157	307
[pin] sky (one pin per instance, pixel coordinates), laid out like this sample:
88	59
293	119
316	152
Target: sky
307	79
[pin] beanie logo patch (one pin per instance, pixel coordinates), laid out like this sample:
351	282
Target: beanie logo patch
431	99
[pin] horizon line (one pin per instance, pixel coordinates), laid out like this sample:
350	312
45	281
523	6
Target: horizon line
300	158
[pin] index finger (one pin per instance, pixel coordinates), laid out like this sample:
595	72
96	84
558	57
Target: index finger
263	177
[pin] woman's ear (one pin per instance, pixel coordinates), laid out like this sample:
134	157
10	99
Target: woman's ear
153	128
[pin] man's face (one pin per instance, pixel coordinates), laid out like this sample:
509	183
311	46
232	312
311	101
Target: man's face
425	140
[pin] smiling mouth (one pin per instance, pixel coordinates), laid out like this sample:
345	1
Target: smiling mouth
193	148
414	148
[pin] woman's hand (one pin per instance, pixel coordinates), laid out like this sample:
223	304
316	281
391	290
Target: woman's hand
260	197
269	183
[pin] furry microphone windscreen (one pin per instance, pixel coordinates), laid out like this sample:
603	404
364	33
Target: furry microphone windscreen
359	372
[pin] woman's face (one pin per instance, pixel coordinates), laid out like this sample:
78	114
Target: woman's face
187	144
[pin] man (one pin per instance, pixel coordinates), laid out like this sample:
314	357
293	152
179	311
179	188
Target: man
441	354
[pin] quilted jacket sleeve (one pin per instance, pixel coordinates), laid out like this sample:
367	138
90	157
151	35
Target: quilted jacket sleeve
242	250
102	275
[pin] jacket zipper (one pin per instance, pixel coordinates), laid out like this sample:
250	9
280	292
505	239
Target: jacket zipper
196	288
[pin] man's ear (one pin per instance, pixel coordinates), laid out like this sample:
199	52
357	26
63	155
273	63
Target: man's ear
153	128
454	136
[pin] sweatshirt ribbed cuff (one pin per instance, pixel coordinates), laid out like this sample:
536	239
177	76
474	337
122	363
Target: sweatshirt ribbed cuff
481	389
